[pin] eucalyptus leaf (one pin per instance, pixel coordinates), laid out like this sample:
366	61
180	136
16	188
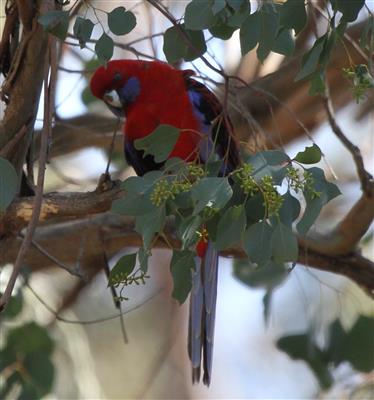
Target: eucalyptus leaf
257	242
293	15
284	43
55	22
230	227
300	347
267	276
212	192
149	224
290	209
311	155
136	200
120	21
199	15
250	32
8	183
311	59
123	268
182	264
284	244
349	8
160	143
104	47
38	340
82	29
269	25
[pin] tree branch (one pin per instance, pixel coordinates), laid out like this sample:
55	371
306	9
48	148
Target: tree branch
118	232
49	85
366	179
58	207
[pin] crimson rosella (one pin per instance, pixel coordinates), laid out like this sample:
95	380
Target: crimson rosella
148	94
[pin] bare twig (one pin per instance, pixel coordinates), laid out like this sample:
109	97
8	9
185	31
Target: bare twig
93	321
49	85
54	259
366	179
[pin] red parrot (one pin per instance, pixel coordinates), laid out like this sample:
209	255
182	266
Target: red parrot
150	93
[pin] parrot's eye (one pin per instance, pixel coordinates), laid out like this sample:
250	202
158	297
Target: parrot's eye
112	99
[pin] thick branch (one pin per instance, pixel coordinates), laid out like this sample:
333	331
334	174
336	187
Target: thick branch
118	233
345	237
57	207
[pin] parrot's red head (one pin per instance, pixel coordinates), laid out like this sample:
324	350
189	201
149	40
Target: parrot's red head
118	83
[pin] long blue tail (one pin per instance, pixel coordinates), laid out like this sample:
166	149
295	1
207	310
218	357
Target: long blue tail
202	314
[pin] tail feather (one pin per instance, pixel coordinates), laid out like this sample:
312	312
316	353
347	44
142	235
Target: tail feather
196	321
202	314
210	266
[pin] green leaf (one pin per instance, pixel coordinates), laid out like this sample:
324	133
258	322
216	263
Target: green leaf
143	256
87	97
222	31
120	21
290	209
197	40
335	347
40	371
38	339
255	208
8	183
250	33
241	12
136	200
187	229
311	155
349	8
293	15
104	47
300	347
182	264
230	227
199	15
218	5
311	59
176	47
269	25
266	276
358	347
236	4
317	84
213	192
257	242
284	244
83	30
55	22
14	306
123	268
149	224
160	143
326	192
367	33
266	302
272	163
284	43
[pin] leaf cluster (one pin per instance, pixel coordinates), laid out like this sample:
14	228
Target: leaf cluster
25	357
354	346
245	208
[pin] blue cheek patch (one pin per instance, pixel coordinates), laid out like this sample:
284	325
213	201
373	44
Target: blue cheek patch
129	91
